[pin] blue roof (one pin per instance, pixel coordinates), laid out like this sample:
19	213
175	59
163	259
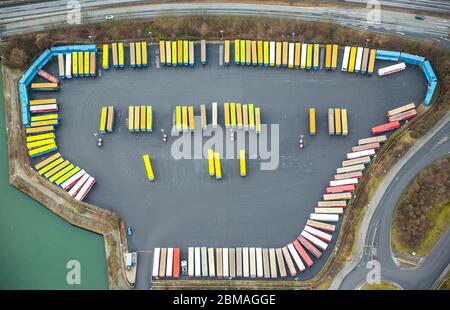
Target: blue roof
429	72
411	59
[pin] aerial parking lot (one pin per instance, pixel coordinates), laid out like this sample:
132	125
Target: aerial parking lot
186	207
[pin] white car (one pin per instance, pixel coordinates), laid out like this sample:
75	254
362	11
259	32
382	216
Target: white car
184	268
109	17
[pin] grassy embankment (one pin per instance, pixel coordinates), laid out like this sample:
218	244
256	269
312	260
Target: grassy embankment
445	285
20	51
422	214
383	286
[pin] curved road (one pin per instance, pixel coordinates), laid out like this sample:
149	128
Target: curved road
37	16
376	244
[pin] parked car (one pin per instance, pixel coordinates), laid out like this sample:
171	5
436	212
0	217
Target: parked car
129	231
420	17
109	17
184	268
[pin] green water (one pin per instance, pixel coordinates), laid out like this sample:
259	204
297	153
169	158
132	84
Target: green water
35	244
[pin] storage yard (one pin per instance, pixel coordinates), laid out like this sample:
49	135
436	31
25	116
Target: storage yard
184	207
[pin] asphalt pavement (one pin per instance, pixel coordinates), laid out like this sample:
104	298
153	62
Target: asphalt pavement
185	207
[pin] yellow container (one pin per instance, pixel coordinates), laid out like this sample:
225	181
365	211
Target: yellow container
47	161
260	53
237	53
105	57
337	121
344	122
233	114
67	175
184	114
312	121
43	167
143	116
334	57
178	118
226	114
211	162
149	118
258	120
217	168
351	63
191	118
138	54
242	164
251	116
103	119
148	168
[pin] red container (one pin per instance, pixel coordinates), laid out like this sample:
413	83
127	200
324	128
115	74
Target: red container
176	263
308	261
385	127
48	76
309	246
340	189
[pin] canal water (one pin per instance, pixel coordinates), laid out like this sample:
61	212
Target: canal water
36	246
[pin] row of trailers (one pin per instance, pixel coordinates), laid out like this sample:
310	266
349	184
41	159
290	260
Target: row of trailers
61	172
258	262
236	116
180	53
107	119
138	55
340	191
282	54
140	118
77	64
241	262
41	140
358	60
214	166
395	116
345	180
295	257
337	121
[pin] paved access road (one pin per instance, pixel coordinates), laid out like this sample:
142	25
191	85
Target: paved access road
37	16
376	244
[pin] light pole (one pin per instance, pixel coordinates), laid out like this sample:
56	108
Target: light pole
150	35
221	35
293	35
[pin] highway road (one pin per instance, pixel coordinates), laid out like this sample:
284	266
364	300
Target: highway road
37	16
422	5
376	244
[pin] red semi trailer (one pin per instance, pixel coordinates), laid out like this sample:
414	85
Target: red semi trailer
48	76
306	258
309	246
385	127
176	263
340	189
